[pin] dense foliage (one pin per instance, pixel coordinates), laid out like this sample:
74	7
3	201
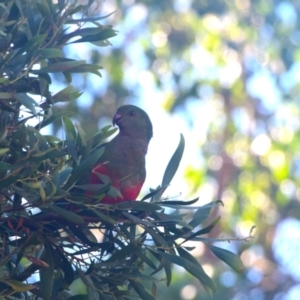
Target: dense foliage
228	72
49	229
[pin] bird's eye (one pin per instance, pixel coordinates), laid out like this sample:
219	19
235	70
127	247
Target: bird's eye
132	113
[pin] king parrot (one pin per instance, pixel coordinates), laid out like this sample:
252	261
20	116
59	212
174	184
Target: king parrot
123	160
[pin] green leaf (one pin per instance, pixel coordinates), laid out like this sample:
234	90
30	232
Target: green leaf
63	176
66	267
145	259
136	219
31	45
48	154
66	95
231	259
91	19
171	167
196	270
158	239
44	8
138	206
168	270
140	290
103	217
131	233
18	286
201	214
185	254
71	137
49	53
68	215
53	118
87	68
81	136
4	183
205	230
4	167
97	140
96	189
6	96
47	274
60	67
84	167
31	241
152	193
27	101
175	203
79	297
164	263
173	163
123	253
104	34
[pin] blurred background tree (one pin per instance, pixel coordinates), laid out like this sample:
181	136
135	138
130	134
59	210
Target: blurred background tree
229	71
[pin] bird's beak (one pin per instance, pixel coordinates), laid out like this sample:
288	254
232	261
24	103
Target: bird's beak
117	117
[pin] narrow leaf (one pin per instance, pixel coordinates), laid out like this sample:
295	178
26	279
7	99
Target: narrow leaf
171	167
4	167
136	219
60	67
196	270
201	214
123	253
47	274
50	53
18	286
138	206
104	218
174	163
68	215
231	259
71	137
159	240
53	118
173	203
27	101
140	290
84	167
205	230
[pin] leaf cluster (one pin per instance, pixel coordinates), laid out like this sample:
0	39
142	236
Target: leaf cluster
49	227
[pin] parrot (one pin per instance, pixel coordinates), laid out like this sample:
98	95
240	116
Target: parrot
123	160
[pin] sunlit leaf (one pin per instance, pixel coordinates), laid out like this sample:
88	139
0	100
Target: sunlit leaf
60	67
201	214
18	286
228	257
